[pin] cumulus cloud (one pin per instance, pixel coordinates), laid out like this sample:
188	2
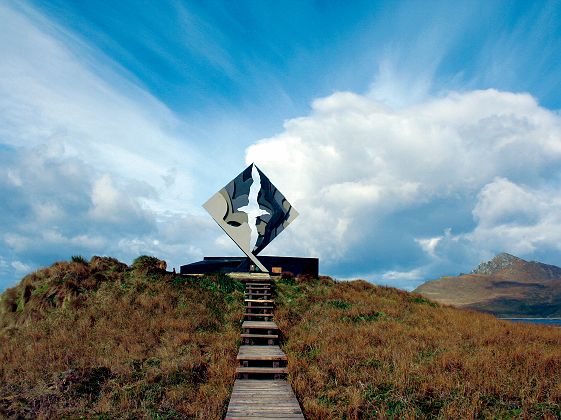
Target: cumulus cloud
419	190
52	209
528	218
91	163
61	206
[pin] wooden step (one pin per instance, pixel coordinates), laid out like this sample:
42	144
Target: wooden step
259	300
260	325
259	315
254	279
260	307
262	370
255	398
261	353
259	336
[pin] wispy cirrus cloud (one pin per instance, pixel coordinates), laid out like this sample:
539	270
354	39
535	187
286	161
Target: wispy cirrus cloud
91	163
116	124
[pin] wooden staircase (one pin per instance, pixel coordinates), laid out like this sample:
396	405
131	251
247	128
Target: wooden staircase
261	390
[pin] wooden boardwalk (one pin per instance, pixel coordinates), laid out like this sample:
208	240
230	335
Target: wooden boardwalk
256	398
261	390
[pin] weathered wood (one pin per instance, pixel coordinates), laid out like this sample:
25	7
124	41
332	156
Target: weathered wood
261	370
259	335
259	300
263	400
253	317
260	307
261	353
258	314
251	276
259	285
260	325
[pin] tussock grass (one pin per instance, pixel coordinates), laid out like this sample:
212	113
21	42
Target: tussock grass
360	351
100	339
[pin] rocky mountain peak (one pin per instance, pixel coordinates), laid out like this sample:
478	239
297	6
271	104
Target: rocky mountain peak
498	263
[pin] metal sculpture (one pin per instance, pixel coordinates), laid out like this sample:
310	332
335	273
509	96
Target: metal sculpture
252	212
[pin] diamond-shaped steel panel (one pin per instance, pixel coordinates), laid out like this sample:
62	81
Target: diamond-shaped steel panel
252	211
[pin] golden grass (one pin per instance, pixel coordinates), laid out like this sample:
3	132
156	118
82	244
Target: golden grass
100	339
360	351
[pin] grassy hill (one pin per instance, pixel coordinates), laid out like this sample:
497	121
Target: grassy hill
360	351
504	286
100	339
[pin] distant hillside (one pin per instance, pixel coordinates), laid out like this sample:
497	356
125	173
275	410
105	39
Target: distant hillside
505	286
99	339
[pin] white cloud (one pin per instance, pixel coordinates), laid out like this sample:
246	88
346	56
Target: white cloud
20	267
524	219
429	244
393	276
91	163
367	177
503	202
56	90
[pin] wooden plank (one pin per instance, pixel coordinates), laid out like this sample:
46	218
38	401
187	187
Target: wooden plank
258	314
262	370
252	280
250	276
259	335
258	284
259	300
264	400
261	353
263	325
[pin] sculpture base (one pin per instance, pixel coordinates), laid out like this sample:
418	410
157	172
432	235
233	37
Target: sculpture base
276	265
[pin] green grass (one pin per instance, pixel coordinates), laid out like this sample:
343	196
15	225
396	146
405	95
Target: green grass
99	339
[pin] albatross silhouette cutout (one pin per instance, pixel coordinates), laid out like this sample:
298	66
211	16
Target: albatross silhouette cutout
252	212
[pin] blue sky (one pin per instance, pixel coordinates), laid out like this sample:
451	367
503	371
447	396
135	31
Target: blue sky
415	138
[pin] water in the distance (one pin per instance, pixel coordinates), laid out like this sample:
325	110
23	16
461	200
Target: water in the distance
554	322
